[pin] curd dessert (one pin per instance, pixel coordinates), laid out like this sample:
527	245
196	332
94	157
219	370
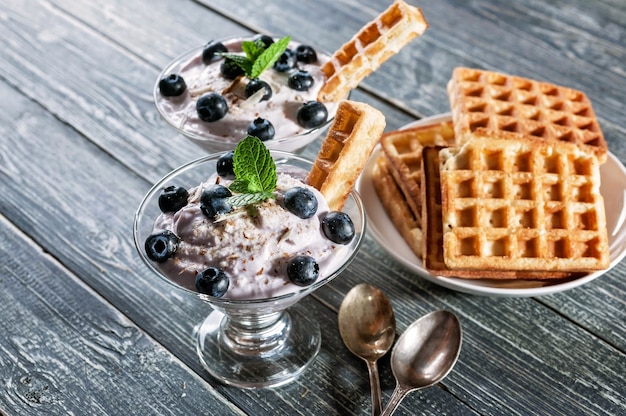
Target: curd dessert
253	230
262	86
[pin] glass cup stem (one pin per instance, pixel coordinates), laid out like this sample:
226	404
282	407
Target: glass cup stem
256	335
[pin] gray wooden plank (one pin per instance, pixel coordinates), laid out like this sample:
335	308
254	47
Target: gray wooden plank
65	350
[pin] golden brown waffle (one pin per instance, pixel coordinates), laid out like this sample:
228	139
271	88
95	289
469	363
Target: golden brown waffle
396	205
520	107
432	229
522	205
350	140
403	149
369	48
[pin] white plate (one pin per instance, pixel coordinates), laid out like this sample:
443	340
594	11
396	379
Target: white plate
613	189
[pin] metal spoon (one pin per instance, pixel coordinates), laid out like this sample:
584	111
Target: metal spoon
368	326
424	354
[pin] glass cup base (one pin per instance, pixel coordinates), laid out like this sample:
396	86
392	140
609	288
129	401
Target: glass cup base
275	354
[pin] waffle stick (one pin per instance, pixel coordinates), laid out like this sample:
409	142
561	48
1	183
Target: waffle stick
403	149
396	205
516	107
522	205
350	141
376	42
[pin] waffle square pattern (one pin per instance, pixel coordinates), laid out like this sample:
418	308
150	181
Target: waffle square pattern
519	107
522	205
376	42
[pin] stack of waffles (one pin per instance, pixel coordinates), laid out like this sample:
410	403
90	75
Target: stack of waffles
509	189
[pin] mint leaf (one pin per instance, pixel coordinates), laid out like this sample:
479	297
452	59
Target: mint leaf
241	61
239	186
255	170
257	58
269	57
253	49
249	199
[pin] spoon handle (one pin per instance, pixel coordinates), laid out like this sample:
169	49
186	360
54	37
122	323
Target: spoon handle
377	404
394	401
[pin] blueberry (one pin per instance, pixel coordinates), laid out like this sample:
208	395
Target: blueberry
230	70
256	84
300	80
266	40
160	247
211	107
210	49
312	114
225	167
303	270
301	202
338	227
306	54
286	62
172	85
213	201
173	198
261	128
213	282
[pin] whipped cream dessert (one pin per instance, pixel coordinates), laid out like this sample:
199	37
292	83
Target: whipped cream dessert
252	245
280	109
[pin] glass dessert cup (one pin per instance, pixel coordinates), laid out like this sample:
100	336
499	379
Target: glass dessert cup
251	343
195	131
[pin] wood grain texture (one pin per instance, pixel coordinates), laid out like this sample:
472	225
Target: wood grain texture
58	358
78	129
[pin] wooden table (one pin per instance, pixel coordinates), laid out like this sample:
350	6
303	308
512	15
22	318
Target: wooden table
86	329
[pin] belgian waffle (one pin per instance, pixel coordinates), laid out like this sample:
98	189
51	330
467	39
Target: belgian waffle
376	42
403	149
522	205
396	206
520	107
432	229
350	140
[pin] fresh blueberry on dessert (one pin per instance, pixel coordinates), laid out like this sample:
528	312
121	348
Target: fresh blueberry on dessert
286	62
225	167
312	114
230	70
213	282
261	128
211	49
161	246
300	80
173	198
303	270
306	54
214	201
211	107
172	85
338	227
301	202
255	85
266	40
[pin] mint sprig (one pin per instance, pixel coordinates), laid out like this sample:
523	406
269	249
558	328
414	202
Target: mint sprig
255	173
258	58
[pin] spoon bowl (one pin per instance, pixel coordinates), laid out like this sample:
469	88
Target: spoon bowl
367	326
424	354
